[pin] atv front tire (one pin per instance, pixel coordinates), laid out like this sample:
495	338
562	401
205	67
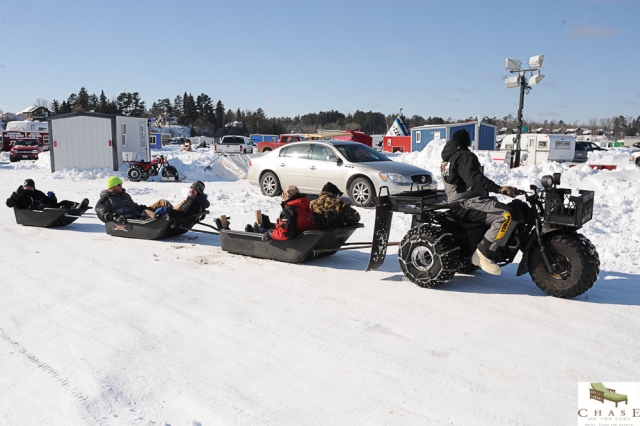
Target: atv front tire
428	256
578	265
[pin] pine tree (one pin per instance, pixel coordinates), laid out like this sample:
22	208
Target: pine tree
93	102
72	102
82	100
103	104
177	107
55	107
220	115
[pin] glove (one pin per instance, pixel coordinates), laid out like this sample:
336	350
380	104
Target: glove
120	219
160	211
20	190
266	237
13	200
37	205
50	194
509	191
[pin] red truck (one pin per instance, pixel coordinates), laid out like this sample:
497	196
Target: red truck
282	140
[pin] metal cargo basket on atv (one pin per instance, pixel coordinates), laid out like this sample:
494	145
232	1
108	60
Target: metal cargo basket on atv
562	208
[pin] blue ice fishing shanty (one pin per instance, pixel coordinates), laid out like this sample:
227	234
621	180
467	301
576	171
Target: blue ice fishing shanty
483	137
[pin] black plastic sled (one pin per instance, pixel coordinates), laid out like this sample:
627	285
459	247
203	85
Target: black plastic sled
151	229
47	218
302	247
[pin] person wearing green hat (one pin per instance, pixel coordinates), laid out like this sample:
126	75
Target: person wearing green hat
115	205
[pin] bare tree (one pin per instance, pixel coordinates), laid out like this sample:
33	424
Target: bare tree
42	102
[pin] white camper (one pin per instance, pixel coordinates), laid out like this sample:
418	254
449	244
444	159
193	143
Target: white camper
536	148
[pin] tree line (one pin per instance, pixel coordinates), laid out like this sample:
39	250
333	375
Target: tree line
209	118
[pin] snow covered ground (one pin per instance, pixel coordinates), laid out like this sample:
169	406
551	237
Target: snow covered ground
97	330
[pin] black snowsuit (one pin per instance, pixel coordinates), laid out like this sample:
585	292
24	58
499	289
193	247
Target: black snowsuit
467	192
36	200
184	210
113	204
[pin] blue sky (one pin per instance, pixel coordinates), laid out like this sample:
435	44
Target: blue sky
432	58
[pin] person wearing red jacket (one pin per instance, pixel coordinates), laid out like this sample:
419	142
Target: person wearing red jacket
295	218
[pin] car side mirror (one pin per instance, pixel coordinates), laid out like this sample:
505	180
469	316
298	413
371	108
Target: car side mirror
333	158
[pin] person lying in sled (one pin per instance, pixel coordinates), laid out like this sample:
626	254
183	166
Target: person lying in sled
330	211
29	198
115	205
295	218
196	202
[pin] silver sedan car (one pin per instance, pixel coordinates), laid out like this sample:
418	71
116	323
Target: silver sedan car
356	169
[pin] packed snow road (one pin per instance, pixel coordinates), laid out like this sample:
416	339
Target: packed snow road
98	330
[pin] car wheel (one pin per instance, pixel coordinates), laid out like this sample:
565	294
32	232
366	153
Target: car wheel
12	159
270	185
362	192
266	150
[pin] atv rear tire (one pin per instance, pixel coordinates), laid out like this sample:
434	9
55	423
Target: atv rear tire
136	174
428	256
579	265
170	172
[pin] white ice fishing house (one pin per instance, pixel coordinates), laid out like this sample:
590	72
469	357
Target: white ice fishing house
85	140
536	148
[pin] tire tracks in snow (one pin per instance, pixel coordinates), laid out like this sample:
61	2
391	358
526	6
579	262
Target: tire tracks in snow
80	397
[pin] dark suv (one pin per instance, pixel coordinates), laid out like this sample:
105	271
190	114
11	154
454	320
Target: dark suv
590	146
24	149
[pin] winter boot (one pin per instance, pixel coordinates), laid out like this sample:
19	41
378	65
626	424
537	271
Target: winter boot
248	228
486	264
84	203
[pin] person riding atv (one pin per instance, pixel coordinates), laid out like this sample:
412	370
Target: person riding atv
467	190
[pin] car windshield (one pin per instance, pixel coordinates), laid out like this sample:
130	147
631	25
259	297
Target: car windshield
27	142
358	153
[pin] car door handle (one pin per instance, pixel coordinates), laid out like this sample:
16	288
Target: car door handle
282	164
312	167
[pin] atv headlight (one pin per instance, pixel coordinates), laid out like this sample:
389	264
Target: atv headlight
393	177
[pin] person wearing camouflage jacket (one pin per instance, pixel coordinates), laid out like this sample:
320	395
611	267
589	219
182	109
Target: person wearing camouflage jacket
330	211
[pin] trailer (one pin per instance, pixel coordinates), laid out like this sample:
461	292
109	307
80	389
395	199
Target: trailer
86	140
536	148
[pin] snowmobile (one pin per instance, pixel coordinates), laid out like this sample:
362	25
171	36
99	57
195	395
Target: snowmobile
141	170
561	261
